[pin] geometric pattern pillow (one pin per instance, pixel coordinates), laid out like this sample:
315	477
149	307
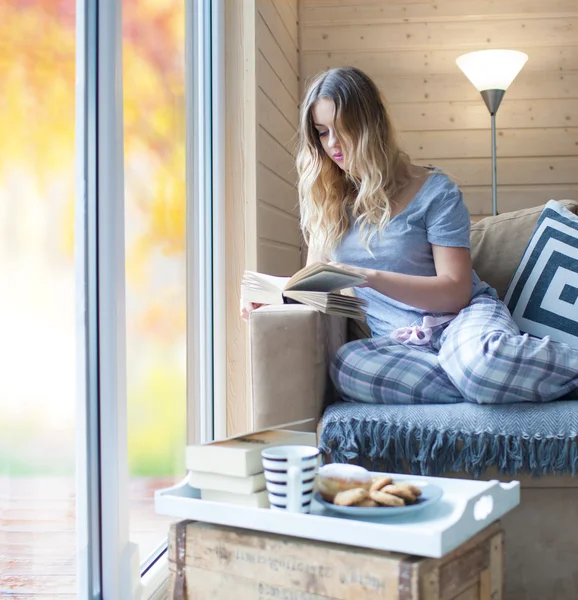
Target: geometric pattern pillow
543	293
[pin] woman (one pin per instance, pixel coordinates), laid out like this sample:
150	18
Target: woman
439	334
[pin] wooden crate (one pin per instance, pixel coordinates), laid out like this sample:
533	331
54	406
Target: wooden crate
224	563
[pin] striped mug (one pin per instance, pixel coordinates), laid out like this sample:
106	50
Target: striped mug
289	476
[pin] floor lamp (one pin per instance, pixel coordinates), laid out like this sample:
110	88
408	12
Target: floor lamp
491	72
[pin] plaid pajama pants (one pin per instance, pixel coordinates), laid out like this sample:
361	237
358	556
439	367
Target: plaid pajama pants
480	356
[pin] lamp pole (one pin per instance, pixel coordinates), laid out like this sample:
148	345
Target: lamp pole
494	168
491	72
492	99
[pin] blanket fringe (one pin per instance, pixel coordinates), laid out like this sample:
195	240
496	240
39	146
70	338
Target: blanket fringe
424	451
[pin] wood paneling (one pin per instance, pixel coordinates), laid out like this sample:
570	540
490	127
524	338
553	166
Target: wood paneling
288	12
262	228
409	48
277	117
473	114
280	259
408	61
476	143
262	95
276	58
276	191
515	197
360	13
272	19
274	156
274	89
511	171
467	35
273	121
277	225
448	87
241	165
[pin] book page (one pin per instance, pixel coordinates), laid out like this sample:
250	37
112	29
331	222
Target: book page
326	282
320	277
336	304
259	281
262	289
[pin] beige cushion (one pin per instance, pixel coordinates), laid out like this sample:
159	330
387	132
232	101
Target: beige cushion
499	242
290	348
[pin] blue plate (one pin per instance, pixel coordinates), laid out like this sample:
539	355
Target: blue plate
430	494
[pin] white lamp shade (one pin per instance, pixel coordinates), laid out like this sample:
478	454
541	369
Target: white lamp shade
492	69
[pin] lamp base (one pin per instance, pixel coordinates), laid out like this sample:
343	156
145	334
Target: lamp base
492	98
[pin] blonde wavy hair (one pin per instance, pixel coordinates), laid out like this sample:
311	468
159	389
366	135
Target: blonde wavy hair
375	166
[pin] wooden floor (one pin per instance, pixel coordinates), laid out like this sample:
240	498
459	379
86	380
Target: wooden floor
38	534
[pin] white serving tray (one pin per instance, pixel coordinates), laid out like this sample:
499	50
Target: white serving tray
466	508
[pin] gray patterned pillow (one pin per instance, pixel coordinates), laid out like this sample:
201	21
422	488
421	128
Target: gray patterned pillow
543	293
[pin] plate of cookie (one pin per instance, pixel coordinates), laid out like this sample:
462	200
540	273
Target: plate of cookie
354	491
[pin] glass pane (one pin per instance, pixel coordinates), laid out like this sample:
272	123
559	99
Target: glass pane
37	299
154	163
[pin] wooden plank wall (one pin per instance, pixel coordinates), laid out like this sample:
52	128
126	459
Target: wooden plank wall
277	100
240	204
409	47
262	225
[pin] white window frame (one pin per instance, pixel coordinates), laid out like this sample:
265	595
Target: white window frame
200	342
106	557
108	564
206	311
88	526
218	8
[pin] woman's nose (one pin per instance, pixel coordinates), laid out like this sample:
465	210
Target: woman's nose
333	141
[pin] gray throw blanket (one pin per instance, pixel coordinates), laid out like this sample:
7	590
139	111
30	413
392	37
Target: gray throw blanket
437	438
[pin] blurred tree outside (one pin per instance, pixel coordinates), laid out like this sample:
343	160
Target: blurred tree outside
37	177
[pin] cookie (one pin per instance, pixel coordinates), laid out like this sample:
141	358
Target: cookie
412	488
368	503
379	482
350	497
400	490
386	499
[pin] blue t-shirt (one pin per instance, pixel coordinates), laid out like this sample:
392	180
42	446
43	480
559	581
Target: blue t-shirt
436	215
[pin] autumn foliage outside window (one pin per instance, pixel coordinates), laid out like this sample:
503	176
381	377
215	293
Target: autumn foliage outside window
37	285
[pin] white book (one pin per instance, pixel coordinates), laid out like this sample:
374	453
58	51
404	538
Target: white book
256	500
227	483
241	456
315	285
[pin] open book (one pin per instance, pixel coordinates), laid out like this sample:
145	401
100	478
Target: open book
315	285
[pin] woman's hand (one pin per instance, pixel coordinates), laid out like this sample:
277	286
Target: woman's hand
367	273
247	308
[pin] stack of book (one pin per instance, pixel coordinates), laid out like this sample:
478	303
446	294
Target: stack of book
231	470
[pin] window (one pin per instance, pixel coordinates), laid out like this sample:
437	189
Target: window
155	190
37	298
98	307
